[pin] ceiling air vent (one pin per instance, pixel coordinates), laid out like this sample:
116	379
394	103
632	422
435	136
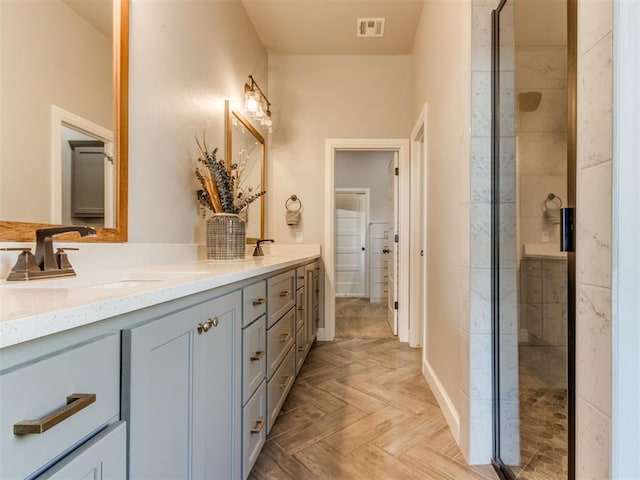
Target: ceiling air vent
370	27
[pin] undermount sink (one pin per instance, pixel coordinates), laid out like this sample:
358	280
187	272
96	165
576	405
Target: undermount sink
124	284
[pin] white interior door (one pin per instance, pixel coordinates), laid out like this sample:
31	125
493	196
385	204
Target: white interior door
392	244
350	241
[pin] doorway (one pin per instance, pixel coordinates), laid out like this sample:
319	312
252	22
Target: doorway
334	149
365	218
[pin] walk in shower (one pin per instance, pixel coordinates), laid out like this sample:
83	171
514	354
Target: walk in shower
533	175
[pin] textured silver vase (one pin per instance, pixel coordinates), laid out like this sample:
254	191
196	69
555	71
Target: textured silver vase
226	237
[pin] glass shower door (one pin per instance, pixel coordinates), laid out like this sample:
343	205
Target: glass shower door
531	291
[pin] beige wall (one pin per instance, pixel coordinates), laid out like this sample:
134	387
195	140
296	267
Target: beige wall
320	97
50	56
184	63
441	70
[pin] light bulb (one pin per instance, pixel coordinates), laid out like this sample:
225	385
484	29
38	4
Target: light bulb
251	102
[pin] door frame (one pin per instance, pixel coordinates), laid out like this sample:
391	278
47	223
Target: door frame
418	276
332	145
63	118
367	216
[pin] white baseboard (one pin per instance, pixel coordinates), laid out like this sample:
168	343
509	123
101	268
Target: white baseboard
446	405
320	335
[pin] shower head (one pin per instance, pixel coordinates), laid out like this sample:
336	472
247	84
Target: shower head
529	101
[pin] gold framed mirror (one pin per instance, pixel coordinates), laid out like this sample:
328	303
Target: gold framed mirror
30	198
245	147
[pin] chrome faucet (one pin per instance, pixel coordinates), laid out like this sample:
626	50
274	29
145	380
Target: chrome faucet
257	252
46	264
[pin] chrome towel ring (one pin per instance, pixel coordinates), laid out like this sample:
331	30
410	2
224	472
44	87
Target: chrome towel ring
552	202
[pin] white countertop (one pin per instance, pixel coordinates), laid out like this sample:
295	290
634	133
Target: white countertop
34	309
543	251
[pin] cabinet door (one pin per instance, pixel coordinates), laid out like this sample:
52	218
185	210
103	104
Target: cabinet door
217	422
104	457
181	393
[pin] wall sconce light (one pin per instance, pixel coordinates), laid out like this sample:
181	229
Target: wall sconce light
256	104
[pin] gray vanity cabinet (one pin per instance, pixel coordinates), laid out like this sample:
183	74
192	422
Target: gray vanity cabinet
313	302
51	404
103	457
182	392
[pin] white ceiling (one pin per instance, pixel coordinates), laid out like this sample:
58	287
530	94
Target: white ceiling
328	27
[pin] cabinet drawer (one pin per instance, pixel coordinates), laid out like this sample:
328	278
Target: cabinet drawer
280	337
300	277
280	295
254	302
254	428
278	387
103	457
301	307
254	357
41	389
301	347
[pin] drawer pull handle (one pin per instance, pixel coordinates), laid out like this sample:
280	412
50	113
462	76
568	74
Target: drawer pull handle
260	423
204	328
301	348
285	337
259	301
284	293
287	382
301	308
75	403
259	354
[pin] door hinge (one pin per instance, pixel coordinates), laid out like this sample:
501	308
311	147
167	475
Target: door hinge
395	305
397	171
395	238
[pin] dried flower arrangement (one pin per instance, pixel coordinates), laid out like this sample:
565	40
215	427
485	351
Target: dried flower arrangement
220	190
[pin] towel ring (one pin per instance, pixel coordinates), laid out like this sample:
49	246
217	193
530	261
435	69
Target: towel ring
551	204
293	199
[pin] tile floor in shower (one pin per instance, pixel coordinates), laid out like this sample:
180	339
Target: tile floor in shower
543	414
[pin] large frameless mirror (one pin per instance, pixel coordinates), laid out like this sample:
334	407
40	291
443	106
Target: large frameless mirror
63	112
246	149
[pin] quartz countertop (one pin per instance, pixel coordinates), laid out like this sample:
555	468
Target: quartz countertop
34	309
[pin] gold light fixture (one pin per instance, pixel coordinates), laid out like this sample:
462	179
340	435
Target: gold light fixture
256	103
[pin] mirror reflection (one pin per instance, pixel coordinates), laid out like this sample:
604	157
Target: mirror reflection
58	156
246	148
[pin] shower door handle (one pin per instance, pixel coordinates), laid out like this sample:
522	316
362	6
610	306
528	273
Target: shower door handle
567	230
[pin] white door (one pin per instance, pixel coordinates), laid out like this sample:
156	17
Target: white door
392	244
350	244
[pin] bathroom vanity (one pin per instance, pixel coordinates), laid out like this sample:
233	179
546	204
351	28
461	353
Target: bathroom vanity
177	371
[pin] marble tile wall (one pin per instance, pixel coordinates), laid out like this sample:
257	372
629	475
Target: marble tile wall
593	242
543	302
542	144
476	388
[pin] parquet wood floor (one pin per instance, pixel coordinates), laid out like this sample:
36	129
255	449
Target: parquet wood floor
361	409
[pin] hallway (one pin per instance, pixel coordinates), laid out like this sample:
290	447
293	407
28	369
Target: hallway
360	409
360	318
